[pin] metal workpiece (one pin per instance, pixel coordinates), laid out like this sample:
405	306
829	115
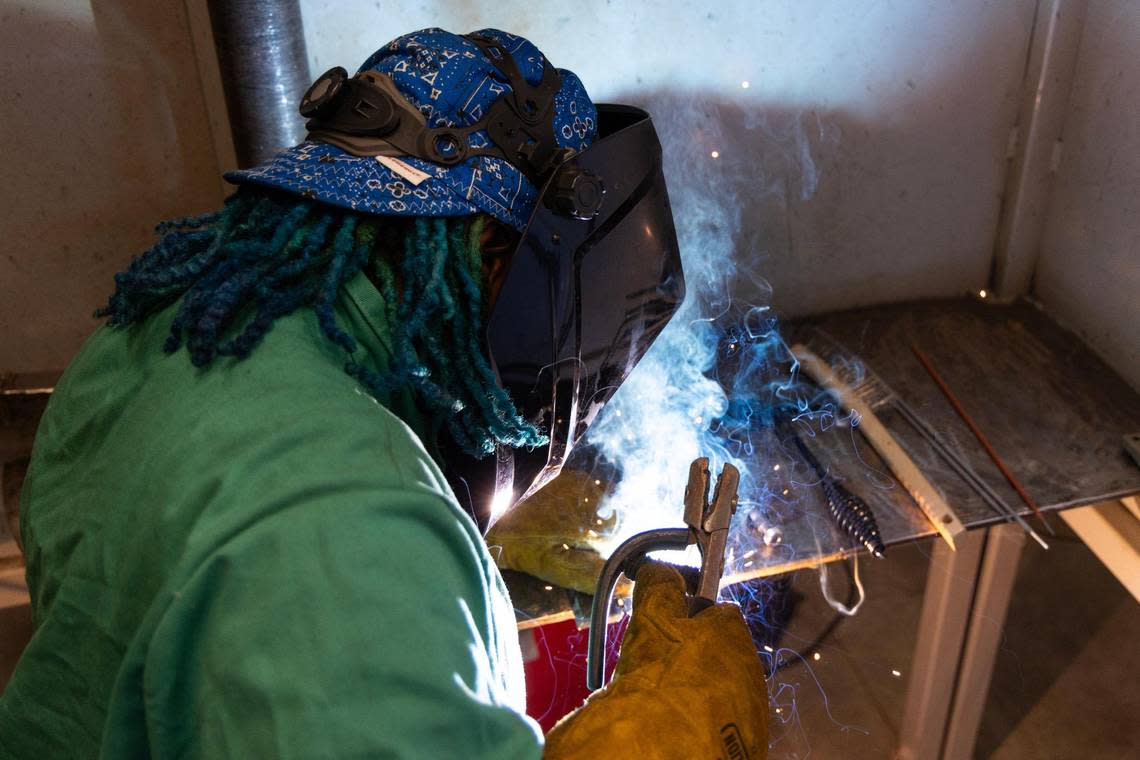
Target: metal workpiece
708	523
265	70
960	465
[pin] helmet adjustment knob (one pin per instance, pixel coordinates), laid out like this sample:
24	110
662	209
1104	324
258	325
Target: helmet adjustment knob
577	193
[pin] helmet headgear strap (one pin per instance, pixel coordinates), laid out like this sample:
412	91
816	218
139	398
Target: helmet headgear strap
367	115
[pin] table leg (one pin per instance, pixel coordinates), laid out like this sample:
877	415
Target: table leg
937	652
963	615
987	625
1111	530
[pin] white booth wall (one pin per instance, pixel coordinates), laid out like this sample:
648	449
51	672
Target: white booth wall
866	153
864	162
1088	274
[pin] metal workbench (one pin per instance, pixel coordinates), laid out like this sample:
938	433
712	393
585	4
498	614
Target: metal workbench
1054	410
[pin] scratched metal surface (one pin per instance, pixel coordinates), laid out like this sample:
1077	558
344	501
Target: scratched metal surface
1054	411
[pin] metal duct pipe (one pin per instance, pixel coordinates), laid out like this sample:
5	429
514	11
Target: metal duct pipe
265	70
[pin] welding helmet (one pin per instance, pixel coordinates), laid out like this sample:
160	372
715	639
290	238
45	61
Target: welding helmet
438	124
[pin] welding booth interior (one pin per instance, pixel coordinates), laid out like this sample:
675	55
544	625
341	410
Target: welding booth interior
958	182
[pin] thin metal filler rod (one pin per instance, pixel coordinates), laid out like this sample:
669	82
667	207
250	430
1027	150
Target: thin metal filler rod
954	402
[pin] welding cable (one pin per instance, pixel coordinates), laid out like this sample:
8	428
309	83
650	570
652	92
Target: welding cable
804	653
799	656
837	605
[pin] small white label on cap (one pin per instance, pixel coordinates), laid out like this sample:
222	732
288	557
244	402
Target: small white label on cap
407	171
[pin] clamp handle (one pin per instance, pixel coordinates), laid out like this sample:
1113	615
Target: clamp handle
626	559
708	529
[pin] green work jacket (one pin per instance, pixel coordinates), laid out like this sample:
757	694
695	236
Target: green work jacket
254	560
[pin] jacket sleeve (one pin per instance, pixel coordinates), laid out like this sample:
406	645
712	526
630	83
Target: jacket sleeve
354	623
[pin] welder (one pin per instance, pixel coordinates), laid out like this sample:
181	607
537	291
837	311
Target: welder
253	514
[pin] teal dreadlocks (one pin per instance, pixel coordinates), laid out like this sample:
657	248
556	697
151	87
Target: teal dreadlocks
267	254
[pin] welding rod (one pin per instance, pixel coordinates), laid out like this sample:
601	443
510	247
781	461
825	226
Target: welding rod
873	386
955	459
954	402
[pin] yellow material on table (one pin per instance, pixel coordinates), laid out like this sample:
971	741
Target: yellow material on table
553	535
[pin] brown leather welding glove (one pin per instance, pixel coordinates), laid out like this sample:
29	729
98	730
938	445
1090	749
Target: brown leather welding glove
552	534
684	687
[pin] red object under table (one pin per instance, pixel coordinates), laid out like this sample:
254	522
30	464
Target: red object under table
554	657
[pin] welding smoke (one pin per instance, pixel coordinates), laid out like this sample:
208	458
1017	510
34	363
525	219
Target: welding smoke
732	173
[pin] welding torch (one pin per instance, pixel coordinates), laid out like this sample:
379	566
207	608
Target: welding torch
707	528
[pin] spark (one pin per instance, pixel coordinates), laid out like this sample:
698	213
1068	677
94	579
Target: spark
745	84
548	588
597	482
715	154
502	499
982	293
775	468
768	649
565	547
816	656
896	673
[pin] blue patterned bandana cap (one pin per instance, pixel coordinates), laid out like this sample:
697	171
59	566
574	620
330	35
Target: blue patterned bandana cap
451	82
